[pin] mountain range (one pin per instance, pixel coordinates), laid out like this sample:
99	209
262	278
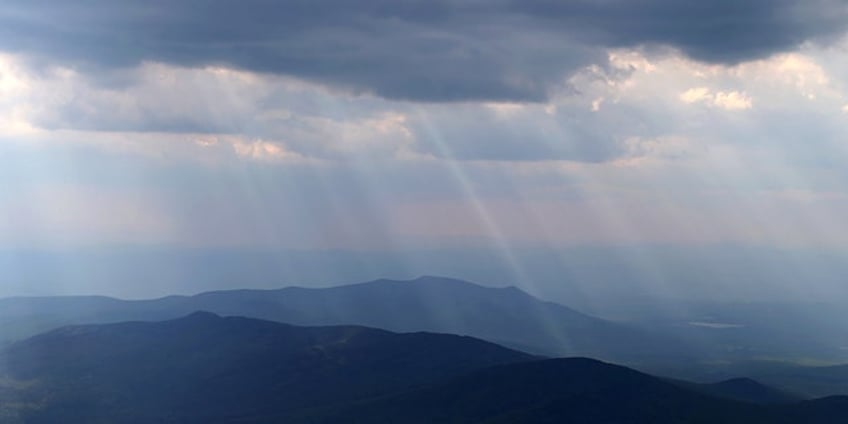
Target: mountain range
204	368
507	316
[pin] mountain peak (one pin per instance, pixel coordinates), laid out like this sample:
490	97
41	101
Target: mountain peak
433	280
424	279
201	316
438	278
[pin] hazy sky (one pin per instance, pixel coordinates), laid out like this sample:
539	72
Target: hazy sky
384	124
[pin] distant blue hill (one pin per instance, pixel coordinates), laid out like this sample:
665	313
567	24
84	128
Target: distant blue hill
507	316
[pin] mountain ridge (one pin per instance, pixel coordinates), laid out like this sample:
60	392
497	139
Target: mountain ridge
205	368
504	315
229	365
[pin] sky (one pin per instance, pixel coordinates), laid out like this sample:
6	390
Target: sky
386	126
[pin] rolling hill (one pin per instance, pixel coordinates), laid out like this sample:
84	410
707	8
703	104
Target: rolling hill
204	368
506	316
574	390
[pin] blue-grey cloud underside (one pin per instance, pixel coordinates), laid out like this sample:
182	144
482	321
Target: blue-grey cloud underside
414	50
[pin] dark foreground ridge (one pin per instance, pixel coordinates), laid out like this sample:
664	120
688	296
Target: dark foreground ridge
203	367
207	369
577	390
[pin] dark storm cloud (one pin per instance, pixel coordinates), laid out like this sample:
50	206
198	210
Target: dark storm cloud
716	31
416	50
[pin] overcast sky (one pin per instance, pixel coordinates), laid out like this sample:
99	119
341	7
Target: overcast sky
384	124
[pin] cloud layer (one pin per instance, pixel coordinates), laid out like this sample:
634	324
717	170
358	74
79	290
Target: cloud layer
388	125
444	50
